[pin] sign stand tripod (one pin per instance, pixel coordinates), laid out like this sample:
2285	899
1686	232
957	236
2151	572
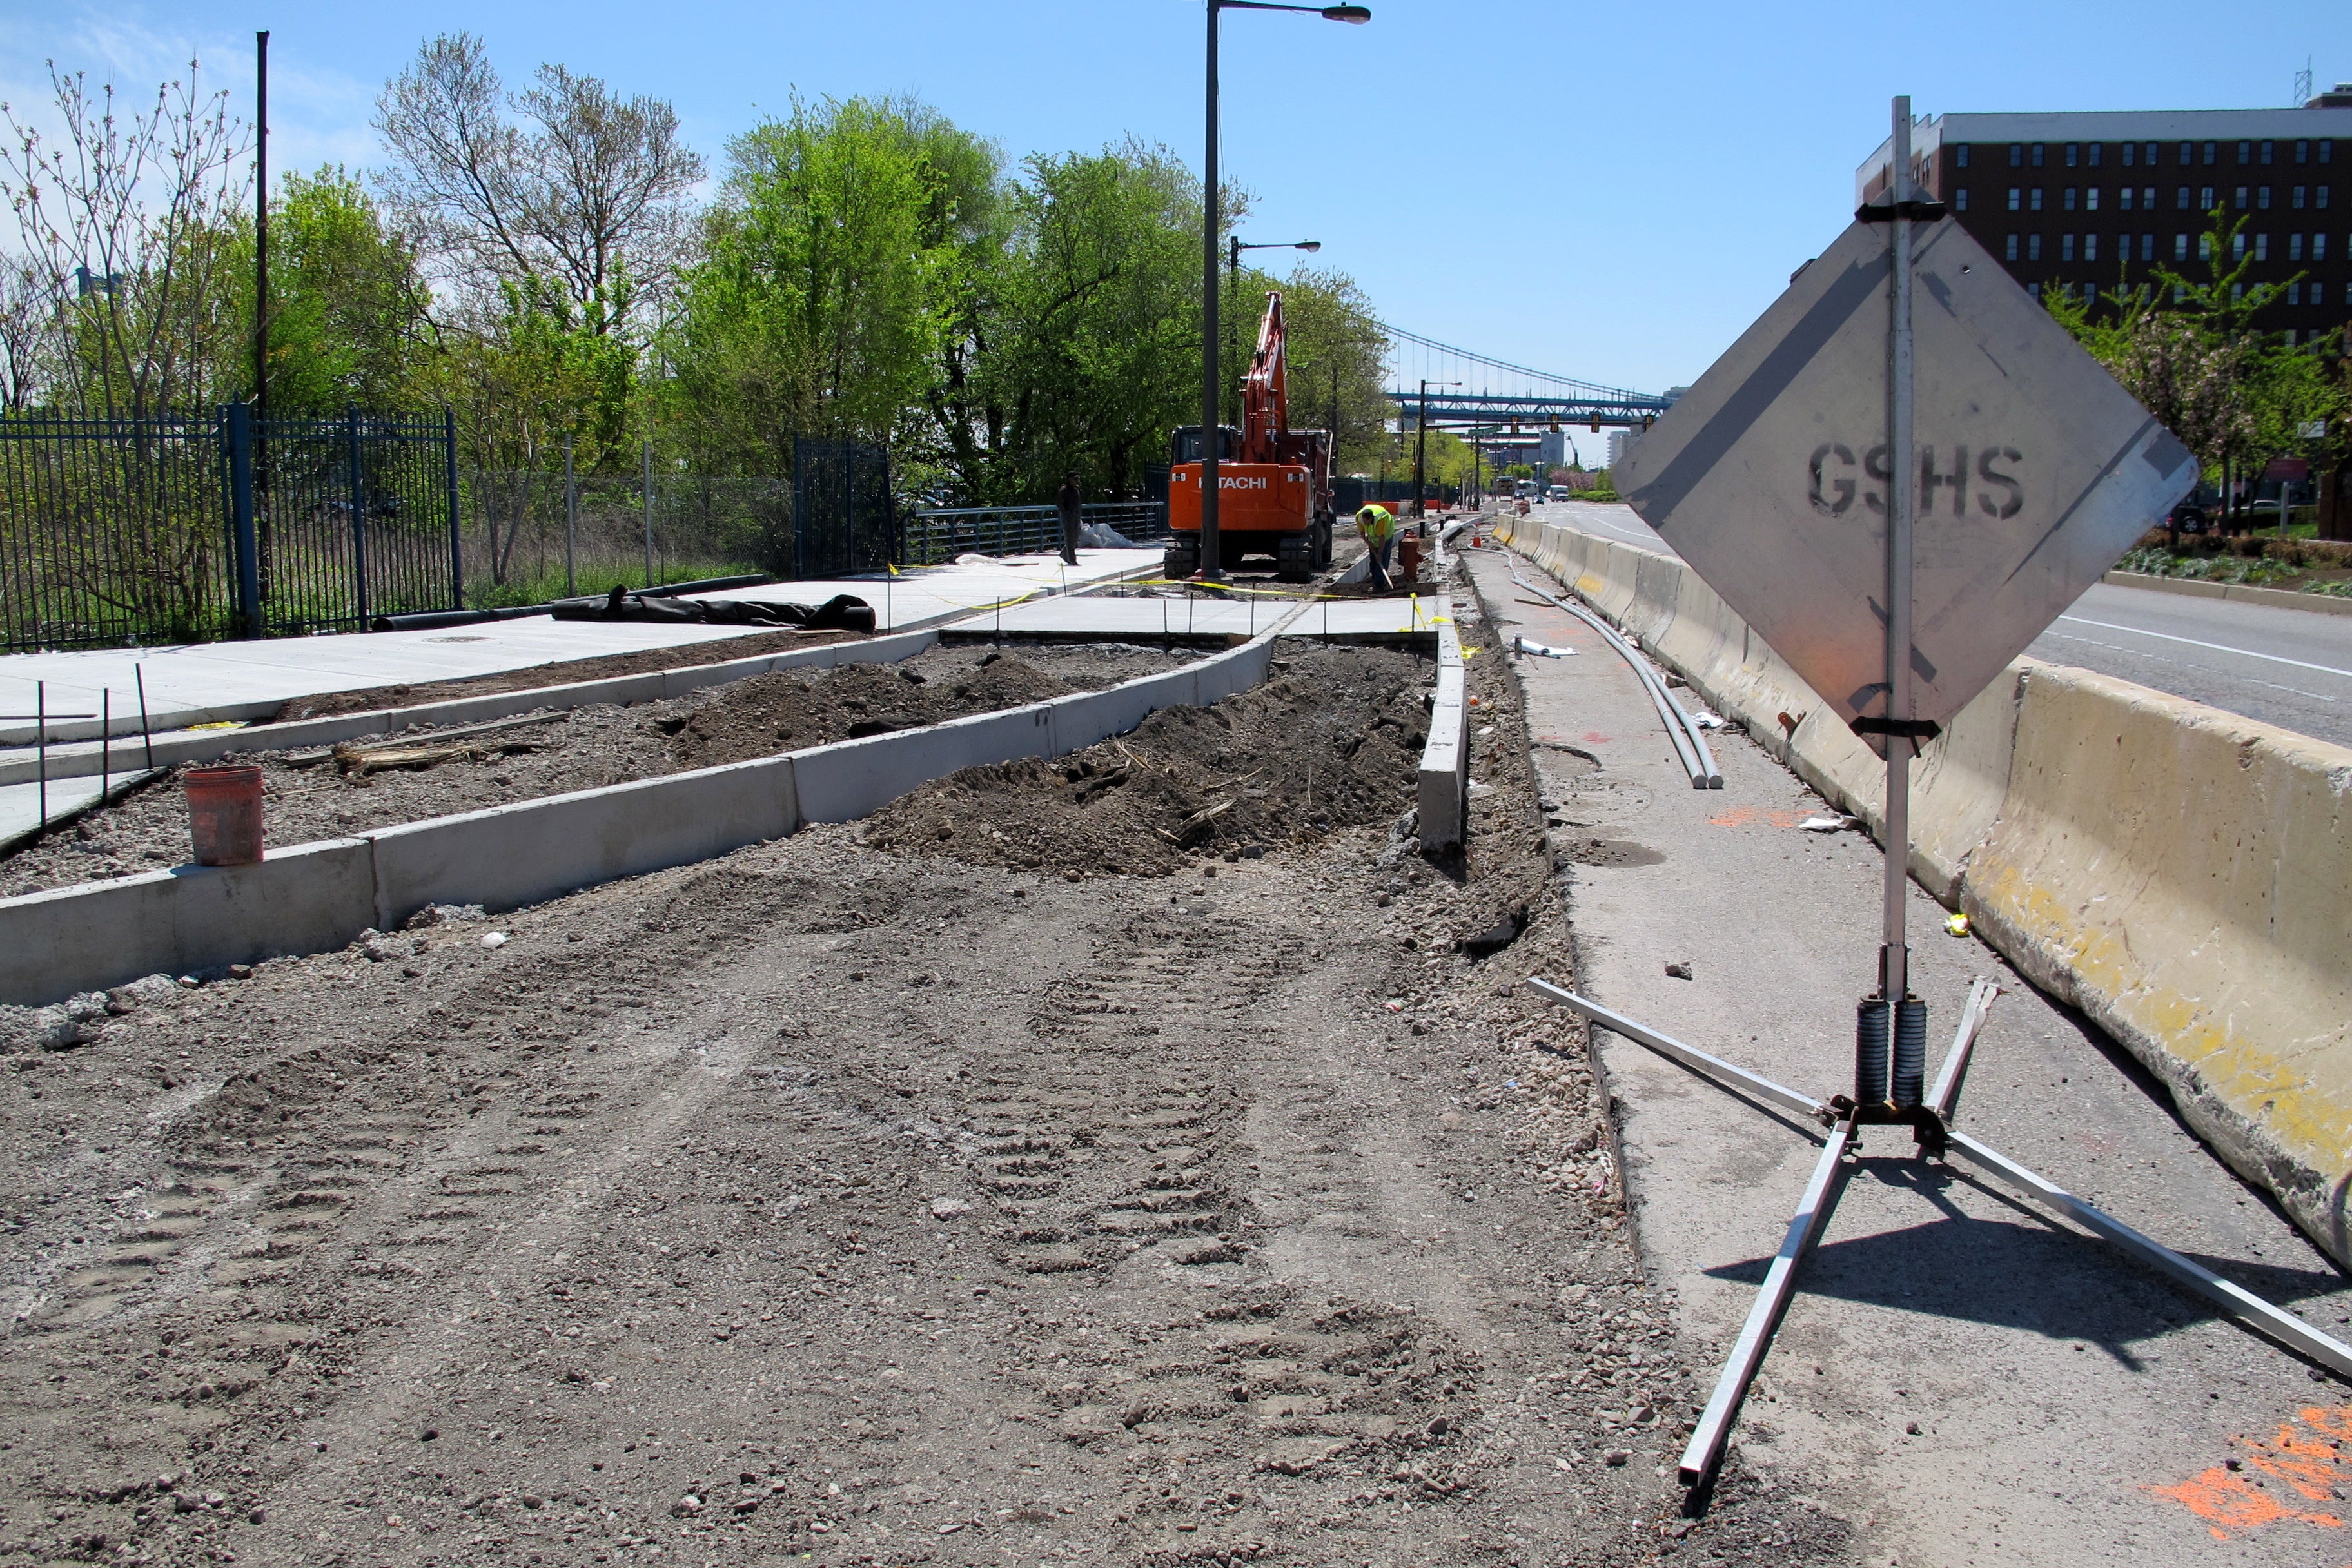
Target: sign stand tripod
1891	1023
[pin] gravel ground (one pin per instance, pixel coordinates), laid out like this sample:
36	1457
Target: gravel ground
836	1204
584	748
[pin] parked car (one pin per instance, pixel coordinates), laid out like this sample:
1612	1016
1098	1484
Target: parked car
2189	515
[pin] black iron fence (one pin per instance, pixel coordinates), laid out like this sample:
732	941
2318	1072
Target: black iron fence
945	533
180	527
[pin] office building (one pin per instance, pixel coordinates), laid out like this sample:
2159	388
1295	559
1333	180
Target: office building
2097	202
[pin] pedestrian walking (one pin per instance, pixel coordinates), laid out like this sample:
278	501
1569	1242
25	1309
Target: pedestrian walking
1378	525
1072	503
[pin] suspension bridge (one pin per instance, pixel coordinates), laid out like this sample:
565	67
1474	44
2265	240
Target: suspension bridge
1447	386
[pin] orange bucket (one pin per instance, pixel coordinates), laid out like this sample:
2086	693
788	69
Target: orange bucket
225	815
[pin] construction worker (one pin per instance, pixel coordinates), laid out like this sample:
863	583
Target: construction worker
1378	525
1071	504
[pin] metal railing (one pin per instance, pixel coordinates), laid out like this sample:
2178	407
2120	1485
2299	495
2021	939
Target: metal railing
947	532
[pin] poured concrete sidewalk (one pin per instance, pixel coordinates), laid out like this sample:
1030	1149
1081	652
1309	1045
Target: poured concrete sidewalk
204	683
1244	613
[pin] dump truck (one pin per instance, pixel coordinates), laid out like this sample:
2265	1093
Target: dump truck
1274	483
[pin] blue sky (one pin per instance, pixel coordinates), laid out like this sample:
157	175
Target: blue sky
1607	191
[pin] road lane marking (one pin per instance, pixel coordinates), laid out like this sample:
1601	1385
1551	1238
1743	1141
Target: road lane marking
2206	670
2214	646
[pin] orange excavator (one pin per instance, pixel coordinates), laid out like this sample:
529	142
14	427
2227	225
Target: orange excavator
1274	483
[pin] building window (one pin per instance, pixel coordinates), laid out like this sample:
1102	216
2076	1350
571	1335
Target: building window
2152	154
2033	247
2074	153
2296	201
2294	247
2266	152
2319	247
2242	198
2295	293
2065	248
2037	154
2090	293
2179	248
2124	198
2033	202
2091	199
2181	200
1961	156
2016	198
2095	154
2204	198
2319	198
2011	254
2347	287
2237	247
2147	247
2209	151
1960	200
2205	248
2129	149
2071	193
2089	248
2180	292
2245	153
2326	150
2017	154
2263	198
2034	291
2289	334
2237	292
2261	248
2303	152
2188	154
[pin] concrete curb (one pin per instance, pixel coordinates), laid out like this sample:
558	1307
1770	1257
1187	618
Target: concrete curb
1444	795
2277	598
2181	874
81	759
311	898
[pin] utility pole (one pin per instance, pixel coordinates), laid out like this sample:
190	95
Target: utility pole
261	225
1212	549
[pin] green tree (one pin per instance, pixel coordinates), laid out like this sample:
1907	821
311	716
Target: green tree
1338	356
829	284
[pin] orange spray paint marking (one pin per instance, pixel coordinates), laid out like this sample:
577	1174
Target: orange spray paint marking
2225	1503
1742	816
2312	1468
2335	1422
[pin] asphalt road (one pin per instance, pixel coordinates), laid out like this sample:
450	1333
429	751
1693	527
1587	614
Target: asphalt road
2288	668
1978	1385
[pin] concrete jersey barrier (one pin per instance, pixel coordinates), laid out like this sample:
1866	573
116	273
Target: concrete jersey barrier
311	898
2182	875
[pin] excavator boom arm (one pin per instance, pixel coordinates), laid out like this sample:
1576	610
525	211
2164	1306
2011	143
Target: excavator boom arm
1265	391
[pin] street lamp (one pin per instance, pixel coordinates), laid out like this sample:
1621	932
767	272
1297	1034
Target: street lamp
1233	271
1421	449
1212	551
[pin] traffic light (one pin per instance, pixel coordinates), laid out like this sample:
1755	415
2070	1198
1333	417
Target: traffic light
1596	424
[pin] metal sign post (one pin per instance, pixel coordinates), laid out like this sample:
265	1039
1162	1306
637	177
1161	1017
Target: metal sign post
1897	541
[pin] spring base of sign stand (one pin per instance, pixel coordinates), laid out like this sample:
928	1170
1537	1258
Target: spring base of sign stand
1930	1123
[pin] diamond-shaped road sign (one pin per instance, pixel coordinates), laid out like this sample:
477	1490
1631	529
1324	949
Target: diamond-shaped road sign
2036	471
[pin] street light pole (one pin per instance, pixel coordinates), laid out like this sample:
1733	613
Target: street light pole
1212	551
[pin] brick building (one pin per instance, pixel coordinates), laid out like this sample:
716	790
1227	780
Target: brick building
2097	201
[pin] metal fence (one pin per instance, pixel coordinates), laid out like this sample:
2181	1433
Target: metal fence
531	537
944	534
179	527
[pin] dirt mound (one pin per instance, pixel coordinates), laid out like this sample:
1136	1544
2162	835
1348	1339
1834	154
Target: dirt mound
1332	742
787	712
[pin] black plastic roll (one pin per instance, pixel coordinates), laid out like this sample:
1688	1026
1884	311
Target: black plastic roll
1910	1051
1870	1043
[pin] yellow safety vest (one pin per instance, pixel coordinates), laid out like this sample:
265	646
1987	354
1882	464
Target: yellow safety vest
1377	524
